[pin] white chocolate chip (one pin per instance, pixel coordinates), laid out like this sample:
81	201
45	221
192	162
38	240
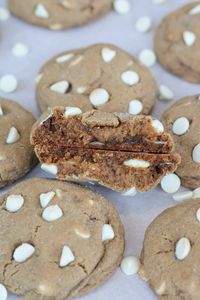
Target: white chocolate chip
108	54
67	257
1	111
189	38
99	97
182	248
196	154
38	78
170	183
52	213
81	90
198	214
121	6
57	26
76	61
23	252
158	2
8	83
165	93
50	168
130	77
3	292
195	10
107	232
64	58
144	24
147	57
183	196
130	265
14	203
82	233
196	193
180	126
41	12
60	87
135	107
4	14
131	192
13	136
20	50
45	198
72	111
137	163
158	126
161	289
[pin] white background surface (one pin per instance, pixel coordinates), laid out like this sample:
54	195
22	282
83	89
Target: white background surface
137	212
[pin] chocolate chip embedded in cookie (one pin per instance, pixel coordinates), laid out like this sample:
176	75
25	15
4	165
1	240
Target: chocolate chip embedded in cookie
170	254
101	77
177	42
66	245
117	150
181	120
16	154
59	14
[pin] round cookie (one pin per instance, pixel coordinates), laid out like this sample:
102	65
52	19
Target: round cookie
62	240
170	256
177	42
181	120
59	14
16	154
100	76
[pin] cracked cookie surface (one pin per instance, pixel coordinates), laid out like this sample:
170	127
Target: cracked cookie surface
62	240
59	14
102	77
16	153
177	42
181	121
170	255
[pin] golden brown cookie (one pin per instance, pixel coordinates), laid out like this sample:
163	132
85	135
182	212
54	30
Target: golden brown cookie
170	256
62	240
117	150
181	121
59	14
177	42
16	153
102	77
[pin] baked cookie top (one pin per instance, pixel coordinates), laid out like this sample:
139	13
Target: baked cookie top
181	120
101	76
59	239
177	42
170	255
16	153
59	14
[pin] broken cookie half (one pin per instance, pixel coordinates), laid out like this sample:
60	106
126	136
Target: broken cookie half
117	150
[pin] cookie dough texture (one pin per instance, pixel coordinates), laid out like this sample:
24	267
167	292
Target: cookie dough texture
169	277
87	70
80	228
189	108
116	150
16	153
59	14
177	42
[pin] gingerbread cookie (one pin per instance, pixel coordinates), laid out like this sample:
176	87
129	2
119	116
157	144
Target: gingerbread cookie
59	14
117	150
62	240
177	42
181	120
16	154
101	77
170	254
